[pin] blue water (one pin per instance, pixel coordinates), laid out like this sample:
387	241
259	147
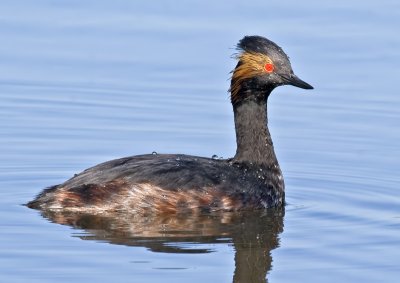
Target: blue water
82	82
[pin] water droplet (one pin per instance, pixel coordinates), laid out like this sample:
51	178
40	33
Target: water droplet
214	156
154	153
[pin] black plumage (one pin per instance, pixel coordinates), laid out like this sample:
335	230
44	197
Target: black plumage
164	183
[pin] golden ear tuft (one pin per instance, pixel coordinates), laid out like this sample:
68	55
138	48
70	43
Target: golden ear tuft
250	65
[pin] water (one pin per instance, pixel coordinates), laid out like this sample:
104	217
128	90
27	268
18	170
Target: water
84	82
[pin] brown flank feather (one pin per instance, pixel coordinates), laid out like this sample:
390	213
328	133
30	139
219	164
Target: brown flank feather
139	198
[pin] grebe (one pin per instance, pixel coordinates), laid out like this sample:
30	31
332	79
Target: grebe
164	183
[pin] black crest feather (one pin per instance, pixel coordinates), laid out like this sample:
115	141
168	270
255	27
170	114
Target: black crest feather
255	43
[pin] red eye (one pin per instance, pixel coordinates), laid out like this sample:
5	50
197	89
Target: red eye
269	68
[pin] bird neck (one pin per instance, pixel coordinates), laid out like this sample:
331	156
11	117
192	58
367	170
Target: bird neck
254	143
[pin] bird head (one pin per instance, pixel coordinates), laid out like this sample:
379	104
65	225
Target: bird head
262	66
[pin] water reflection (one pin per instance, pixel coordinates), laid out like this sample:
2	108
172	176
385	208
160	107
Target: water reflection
253	234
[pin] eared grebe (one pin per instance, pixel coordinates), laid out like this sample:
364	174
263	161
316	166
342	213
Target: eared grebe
162	183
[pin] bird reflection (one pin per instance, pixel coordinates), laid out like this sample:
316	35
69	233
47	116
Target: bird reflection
253	234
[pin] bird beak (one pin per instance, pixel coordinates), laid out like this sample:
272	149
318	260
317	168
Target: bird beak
295	81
